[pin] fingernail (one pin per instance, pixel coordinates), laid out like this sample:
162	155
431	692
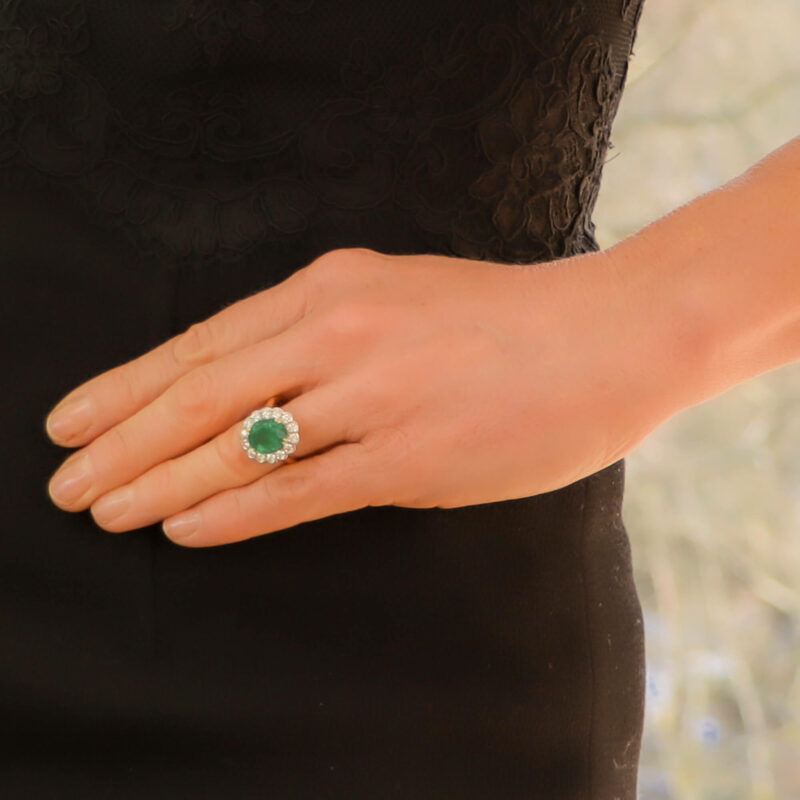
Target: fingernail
183	526
69	420
112	505
71	482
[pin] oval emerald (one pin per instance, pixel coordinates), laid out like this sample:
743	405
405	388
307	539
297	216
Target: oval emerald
267	435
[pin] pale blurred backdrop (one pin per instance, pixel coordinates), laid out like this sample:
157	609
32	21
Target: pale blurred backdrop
712	502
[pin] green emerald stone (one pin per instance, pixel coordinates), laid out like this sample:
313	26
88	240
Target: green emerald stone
266	435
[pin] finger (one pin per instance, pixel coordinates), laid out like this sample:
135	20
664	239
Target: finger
106	399
344	478
220	464
191	410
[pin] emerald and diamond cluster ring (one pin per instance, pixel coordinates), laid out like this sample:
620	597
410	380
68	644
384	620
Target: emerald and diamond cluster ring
270	434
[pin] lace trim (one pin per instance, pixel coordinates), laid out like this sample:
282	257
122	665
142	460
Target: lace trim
490	139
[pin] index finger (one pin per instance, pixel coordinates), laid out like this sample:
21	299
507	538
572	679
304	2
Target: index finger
106	399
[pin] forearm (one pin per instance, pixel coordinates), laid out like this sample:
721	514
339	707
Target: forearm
718	279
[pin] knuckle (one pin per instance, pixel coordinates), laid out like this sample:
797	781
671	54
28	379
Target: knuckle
286	485
303	282
390	443
168	475
344	261
357	255
196	345
326	264
118	443
195	395
238	511
348	320
127	389
341	255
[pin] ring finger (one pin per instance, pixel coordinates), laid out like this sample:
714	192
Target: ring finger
220	463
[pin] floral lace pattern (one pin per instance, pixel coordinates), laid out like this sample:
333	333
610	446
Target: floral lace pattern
215	26
486	138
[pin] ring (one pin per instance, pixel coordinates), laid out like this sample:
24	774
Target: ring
270	434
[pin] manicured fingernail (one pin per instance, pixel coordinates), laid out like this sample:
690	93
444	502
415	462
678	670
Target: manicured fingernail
69	420
112	505
71	481
183	526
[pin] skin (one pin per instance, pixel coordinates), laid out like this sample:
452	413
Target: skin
426	380
419	381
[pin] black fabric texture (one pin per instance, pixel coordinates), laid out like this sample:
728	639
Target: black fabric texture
160	160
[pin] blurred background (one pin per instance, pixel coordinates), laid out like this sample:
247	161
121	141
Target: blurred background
712	502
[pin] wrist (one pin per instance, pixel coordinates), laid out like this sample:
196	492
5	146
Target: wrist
717	281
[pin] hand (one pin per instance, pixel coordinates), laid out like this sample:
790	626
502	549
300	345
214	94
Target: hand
416	380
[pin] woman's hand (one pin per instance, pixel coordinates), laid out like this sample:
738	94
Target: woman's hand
418	381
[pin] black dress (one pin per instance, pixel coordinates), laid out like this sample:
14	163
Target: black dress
162	159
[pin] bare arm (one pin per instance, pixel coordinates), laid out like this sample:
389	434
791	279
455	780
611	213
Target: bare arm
719	277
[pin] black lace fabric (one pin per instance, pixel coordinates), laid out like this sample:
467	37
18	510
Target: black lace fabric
160	159
202	131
